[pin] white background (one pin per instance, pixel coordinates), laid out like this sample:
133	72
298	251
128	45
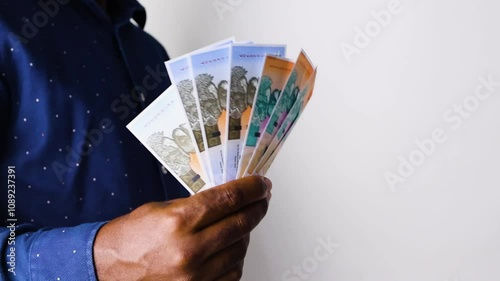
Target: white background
443	222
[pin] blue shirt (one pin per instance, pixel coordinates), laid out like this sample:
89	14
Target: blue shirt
71	78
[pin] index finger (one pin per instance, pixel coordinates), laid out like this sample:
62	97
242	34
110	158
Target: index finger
210	206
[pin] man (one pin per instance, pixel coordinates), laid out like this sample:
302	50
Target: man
78	187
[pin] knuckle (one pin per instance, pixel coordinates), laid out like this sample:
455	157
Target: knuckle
203	208
249	219
146	209
202	197
173	221
244	223
184	260
188	277
233	196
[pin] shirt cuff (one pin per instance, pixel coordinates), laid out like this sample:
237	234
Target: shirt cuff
64	253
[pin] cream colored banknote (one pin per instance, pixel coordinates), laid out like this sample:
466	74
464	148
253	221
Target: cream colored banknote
163	129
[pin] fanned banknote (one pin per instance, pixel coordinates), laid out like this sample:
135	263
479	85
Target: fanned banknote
247	62
163	128
211	72
287	126
180	74
228	113
275	74
299	77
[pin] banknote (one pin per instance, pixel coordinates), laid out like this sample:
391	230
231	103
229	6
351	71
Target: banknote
163	129
287	126
230	109
180	75
211	72
247	62
299	77
274	75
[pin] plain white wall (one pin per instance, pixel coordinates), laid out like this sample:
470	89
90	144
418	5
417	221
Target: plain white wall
443	222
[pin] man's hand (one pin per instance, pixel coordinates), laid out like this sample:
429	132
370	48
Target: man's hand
201	238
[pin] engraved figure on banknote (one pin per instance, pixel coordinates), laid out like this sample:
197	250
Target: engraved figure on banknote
182	139
222	92
238	104
175	151
185	88
294	113
242	95
252	90
289	97
273	99
211	109
261	108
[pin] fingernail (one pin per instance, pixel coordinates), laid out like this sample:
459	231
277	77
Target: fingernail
269	184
